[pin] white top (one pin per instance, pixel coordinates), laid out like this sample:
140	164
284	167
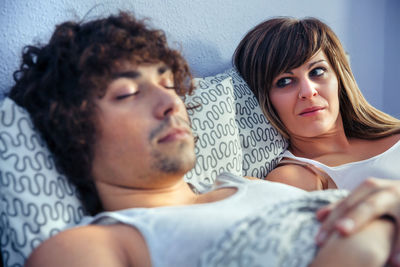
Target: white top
261	224
348	176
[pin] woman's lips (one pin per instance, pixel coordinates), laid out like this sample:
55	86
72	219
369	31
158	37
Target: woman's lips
311	111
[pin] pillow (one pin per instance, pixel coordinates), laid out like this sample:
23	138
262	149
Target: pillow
37	202
234	135
262	145
213	123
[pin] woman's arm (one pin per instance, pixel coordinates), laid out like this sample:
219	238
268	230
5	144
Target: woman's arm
373	199
370	247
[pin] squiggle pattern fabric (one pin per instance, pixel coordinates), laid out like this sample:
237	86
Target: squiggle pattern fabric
262	145
279	236
234	135
213	122
36	201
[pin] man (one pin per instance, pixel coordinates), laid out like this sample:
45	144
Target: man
106	96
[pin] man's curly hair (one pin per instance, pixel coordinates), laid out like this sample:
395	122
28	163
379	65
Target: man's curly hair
59	82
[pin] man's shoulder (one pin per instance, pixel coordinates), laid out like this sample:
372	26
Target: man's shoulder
92	245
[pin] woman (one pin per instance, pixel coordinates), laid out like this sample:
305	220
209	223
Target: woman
301	76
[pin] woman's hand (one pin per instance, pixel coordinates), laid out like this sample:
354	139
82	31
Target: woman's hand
374	198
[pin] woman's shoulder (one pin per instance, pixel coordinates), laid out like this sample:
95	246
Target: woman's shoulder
388	142
295	175
374	147
395	138
391	139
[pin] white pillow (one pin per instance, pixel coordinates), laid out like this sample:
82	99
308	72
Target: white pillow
37	202
261	143
234	135
213	122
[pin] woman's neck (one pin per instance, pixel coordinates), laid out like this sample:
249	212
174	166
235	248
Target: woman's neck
314	147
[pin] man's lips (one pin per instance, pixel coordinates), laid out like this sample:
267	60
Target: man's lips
174	134
310	111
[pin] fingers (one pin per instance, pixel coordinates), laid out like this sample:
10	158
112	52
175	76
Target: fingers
374	198
395	257
339	211
365	211
324	212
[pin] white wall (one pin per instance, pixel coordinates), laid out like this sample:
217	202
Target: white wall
209	30
391	85
365	39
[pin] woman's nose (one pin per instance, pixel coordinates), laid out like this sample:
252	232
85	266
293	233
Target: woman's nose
307	89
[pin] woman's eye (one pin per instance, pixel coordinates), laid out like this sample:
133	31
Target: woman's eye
317	72
283	82
123	96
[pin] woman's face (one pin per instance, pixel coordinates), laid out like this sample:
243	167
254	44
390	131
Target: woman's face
306	98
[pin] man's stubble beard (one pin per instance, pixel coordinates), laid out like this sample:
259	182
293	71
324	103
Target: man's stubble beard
179	161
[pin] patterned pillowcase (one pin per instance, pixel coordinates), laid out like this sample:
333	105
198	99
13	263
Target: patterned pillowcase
261	143
234	135
213	123
37	202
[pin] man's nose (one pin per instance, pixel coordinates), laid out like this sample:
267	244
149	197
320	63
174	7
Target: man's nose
167	102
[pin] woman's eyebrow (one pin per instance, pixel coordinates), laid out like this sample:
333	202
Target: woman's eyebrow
315	62
309	65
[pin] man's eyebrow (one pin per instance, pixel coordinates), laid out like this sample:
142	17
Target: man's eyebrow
163	69
136	74
126	74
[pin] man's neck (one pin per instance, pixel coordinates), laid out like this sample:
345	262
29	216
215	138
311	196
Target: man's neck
117	198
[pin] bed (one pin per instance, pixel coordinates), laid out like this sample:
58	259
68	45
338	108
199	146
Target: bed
234	136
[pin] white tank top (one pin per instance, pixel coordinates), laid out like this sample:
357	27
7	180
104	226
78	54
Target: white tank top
262	224
348	176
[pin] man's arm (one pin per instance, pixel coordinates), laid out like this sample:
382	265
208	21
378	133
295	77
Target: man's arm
92	246
369	247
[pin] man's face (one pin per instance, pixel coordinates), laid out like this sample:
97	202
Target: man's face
144	138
